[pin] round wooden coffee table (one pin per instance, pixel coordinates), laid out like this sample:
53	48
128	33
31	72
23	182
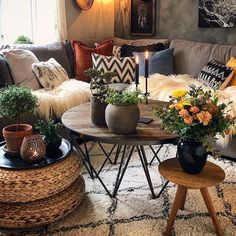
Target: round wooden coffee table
78	122
211	175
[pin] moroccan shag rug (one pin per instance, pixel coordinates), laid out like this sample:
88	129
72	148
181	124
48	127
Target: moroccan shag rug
134	212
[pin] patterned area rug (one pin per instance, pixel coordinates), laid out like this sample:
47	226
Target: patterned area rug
134	212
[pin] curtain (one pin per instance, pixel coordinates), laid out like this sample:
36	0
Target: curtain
61	20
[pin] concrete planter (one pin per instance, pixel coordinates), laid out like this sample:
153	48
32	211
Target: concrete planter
122	119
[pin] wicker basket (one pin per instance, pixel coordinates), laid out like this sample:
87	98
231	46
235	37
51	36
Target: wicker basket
34	184
44	211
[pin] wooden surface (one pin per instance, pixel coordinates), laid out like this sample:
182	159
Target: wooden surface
178	202
211	174
78	120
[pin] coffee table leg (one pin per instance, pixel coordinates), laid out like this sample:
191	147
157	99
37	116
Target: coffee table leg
210	207
176	205
144	162
81	153
155	154
163	188
117	154
119	174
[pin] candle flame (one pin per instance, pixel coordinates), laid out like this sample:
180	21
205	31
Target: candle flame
137	59
146	54
35	153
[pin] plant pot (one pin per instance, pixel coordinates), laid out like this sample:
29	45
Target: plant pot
192	155
14	138
122	119
97	110
51	147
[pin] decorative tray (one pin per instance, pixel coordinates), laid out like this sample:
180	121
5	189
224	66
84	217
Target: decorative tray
16	162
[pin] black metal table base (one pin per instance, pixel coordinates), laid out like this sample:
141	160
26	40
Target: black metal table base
124	153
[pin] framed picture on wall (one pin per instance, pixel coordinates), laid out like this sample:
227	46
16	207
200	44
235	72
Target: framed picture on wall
143	17
217	14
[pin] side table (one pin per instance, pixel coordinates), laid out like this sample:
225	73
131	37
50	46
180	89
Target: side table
210	176
38	194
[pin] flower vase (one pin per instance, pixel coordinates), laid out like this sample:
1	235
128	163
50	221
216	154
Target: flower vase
192	155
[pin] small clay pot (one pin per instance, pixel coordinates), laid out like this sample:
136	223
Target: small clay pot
14	138
97	110
122	119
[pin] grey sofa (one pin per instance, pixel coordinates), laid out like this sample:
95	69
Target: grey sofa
189	58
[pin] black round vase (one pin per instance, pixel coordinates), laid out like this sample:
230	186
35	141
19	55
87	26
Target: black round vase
192	155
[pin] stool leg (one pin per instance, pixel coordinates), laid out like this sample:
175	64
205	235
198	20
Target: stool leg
177	203
209	204
183	199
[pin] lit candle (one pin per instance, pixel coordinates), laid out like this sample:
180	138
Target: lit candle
136	70
35	153
146	64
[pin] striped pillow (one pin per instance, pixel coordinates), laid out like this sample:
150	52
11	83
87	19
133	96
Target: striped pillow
124	67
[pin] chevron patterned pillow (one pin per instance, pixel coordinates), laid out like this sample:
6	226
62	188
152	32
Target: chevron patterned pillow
215	75
124	67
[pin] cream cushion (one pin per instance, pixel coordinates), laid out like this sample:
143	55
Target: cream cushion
49	73
20	62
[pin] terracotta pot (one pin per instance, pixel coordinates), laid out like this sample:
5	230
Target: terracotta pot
97	110
14	138
122	119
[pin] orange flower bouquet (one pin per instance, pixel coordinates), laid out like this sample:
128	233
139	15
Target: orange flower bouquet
196	115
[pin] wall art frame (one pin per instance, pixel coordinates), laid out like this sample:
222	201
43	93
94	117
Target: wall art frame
216	14
142	17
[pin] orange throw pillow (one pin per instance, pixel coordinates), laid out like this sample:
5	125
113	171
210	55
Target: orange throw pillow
83	56
232	63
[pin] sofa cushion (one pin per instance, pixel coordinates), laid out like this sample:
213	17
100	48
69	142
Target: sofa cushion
5	74
128	50
83	58
232	63
215	75
190	57
159	62
140	42
116	51
49	73
46	51
20	62
124	67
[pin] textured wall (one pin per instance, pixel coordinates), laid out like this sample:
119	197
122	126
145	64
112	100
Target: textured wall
97	22
174	19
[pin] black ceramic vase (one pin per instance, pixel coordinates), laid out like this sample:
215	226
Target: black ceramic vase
192	155
97	109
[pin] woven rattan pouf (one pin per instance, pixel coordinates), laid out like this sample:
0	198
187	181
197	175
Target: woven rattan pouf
35	197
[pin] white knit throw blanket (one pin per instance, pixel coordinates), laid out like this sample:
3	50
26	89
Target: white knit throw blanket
161	87
55	102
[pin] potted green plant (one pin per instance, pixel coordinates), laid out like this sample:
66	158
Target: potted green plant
22	39
51	138
197	117
99	87
122	113
16	102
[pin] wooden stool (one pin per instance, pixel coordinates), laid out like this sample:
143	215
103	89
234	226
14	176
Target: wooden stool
210	176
